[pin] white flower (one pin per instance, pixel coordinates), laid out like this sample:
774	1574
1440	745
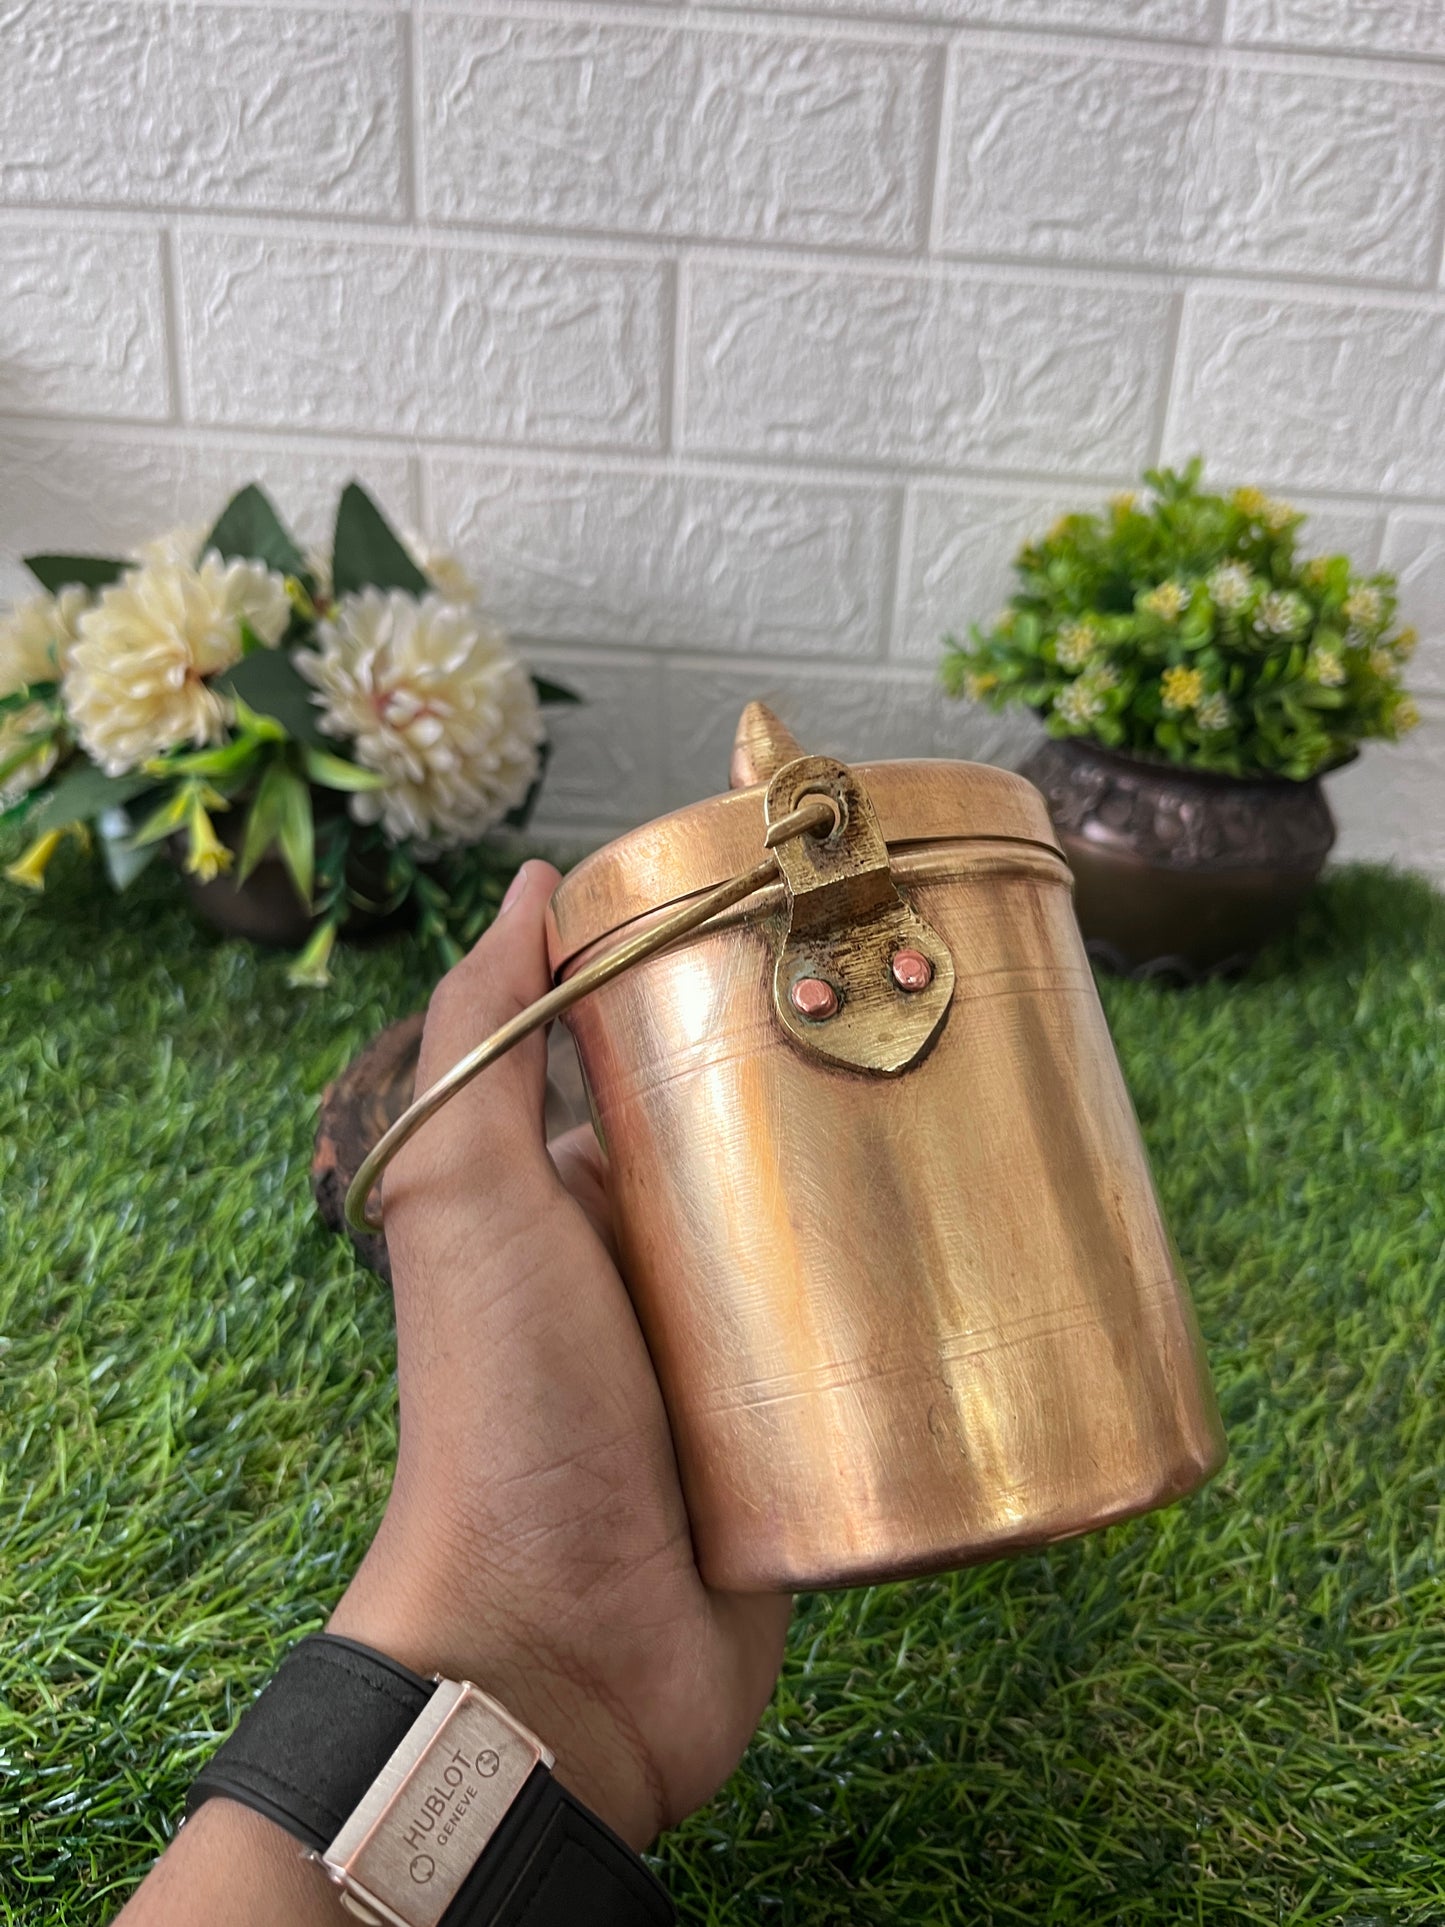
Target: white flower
1364	609
1213	712
1230	586
431	700
1326	668
137	682
1101	676
442	569
1075	643
318	567
178	547
19	729
1168	601
36	639
1077	704
1382	660
1281	613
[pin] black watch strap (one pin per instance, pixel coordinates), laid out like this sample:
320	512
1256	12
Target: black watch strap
309	1748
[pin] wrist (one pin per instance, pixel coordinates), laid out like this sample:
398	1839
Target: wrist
391	1606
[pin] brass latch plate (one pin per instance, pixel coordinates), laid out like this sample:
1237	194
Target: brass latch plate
851	933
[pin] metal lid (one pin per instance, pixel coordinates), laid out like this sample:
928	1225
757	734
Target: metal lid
919	801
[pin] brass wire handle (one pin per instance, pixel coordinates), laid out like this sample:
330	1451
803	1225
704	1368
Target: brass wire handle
815	814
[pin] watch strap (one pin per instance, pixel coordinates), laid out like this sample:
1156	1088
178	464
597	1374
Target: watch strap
551	1863
310	1746
307	1751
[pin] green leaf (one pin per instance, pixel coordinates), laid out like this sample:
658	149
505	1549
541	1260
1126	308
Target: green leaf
554	692
366	552
250	530
296	835
335	773
263	819
57	572
84	793
225	760
29	746
123	861
519	818
23	697
166	820
270	683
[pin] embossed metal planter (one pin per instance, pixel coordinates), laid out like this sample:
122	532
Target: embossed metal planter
1177	872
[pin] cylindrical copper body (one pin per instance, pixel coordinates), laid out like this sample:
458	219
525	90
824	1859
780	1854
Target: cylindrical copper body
901	1323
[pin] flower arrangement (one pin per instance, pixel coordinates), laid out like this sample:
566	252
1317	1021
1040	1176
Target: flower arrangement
1184	626
229	675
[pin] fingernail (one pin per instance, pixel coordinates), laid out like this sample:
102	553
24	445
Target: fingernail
514	889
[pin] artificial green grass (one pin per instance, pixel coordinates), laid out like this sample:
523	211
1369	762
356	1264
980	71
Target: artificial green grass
1229	1712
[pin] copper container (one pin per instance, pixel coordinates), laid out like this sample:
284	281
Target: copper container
900	1264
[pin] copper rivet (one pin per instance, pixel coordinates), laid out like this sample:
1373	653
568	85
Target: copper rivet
911	970
812	997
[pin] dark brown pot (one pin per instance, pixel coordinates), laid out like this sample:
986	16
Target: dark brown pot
1180	872
265	908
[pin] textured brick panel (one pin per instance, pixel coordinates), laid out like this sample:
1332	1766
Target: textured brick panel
199	107
607	770
675	130
958	555
1152	19
1094	156
82	322
1391	804
1414	548
580	554
71	488
1358	26
854	714
414	339
1309	393
947	370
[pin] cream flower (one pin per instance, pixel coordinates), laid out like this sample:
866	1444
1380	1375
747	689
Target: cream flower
1075	643
180	547
1168	601
1326	668
1213	711
36	639
33	727
1281	613
433	702
442	569
1077	704
1364	609
1230	586
137	682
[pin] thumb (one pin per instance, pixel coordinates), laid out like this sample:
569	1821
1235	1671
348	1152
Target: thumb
484	1154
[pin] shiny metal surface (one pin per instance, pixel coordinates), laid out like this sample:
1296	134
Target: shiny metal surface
676	856
429	1815
901	1323
362	1213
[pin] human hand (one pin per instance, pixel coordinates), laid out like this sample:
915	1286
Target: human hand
535	1540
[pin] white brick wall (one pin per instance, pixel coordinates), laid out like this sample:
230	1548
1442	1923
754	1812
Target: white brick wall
737	346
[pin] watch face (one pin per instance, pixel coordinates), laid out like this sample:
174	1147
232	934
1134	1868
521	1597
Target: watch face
403	1855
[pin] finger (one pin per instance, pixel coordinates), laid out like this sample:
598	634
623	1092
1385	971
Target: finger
583	1169
486	1148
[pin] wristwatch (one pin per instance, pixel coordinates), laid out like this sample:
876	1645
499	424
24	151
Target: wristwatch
426	1803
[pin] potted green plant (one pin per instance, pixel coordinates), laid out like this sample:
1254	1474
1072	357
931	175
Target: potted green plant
1196	677
321	742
